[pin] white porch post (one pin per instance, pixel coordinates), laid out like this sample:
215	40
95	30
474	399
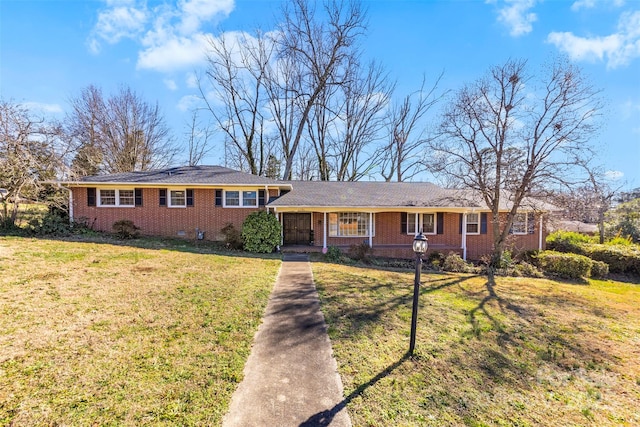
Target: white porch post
324	230
464	236
540	234
370	229
417	223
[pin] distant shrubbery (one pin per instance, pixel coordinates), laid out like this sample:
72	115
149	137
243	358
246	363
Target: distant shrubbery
126	229
619	254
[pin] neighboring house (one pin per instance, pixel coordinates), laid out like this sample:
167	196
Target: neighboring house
197	202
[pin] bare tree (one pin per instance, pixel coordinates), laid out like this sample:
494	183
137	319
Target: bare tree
319	54
236	73
400	158
120	134
31	152
198	138
504	137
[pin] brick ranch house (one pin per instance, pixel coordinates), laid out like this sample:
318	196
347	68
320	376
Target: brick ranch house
197	202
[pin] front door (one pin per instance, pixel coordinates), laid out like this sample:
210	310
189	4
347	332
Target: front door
296	228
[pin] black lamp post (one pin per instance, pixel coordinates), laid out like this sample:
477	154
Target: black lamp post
419	247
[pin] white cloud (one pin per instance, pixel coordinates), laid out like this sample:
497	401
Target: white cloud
614	175
516	15
192	80
170	84
43	107
618	49
188	102
170	35
121	20
590	4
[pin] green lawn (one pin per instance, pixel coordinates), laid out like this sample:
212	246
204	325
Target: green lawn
102	334
536	353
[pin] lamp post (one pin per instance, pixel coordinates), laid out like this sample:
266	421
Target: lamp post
419	247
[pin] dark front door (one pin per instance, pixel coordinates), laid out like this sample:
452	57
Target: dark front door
296	228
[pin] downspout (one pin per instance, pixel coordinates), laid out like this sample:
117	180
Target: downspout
464	236
540	234
324	230
371	229
70	201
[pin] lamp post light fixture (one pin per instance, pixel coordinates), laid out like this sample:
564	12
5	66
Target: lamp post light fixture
419	247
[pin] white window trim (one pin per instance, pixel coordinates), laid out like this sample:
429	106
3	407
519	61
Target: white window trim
117	195
473	233
371	226
241	192
525	223
169	204
421	225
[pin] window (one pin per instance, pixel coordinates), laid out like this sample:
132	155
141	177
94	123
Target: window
473	223
177	198
237	198
519	224
107	197
126	198
116	197
232	198
249	198
426	223
349	224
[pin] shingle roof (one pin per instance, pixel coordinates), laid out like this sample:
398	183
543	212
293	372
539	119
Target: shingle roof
186	175
363	194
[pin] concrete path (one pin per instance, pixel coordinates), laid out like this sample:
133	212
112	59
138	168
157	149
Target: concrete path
291	377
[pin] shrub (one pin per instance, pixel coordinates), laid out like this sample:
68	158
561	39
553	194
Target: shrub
361	252
261	232
523	269
620	241
621	259
435	259
126	229
334	254
568	241
232	236
455	264
51	224
569	266
599	270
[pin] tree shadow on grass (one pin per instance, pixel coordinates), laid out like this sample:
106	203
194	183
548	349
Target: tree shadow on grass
325	417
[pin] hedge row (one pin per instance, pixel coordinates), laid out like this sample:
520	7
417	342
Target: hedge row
571	266
621	259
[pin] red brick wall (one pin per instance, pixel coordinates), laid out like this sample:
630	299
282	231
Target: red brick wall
155	220
388	232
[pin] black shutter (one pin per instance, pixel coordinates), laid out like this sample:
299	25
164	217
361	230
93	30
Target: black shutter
138	196
403	222
460	229
531	222
261	198
189	197
218	197
163	197
91	196
483	223
440	223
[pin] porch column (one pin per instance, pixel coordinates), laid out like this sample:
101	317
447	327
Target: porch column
324	230
464	236
370	229
540	234
417	223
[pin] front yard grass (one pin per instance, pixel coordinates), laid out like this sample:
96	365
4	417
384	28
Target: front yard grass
525	352
102	334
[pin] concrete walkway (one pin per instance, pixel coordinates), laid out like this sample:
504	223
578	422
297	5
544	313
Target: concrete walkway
291	376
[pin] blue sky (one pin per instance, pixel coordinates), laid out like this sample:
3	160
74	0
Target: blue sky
51	49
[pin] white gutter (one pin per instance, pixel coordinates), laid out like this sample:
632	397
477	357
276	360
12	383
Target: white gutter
371	229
